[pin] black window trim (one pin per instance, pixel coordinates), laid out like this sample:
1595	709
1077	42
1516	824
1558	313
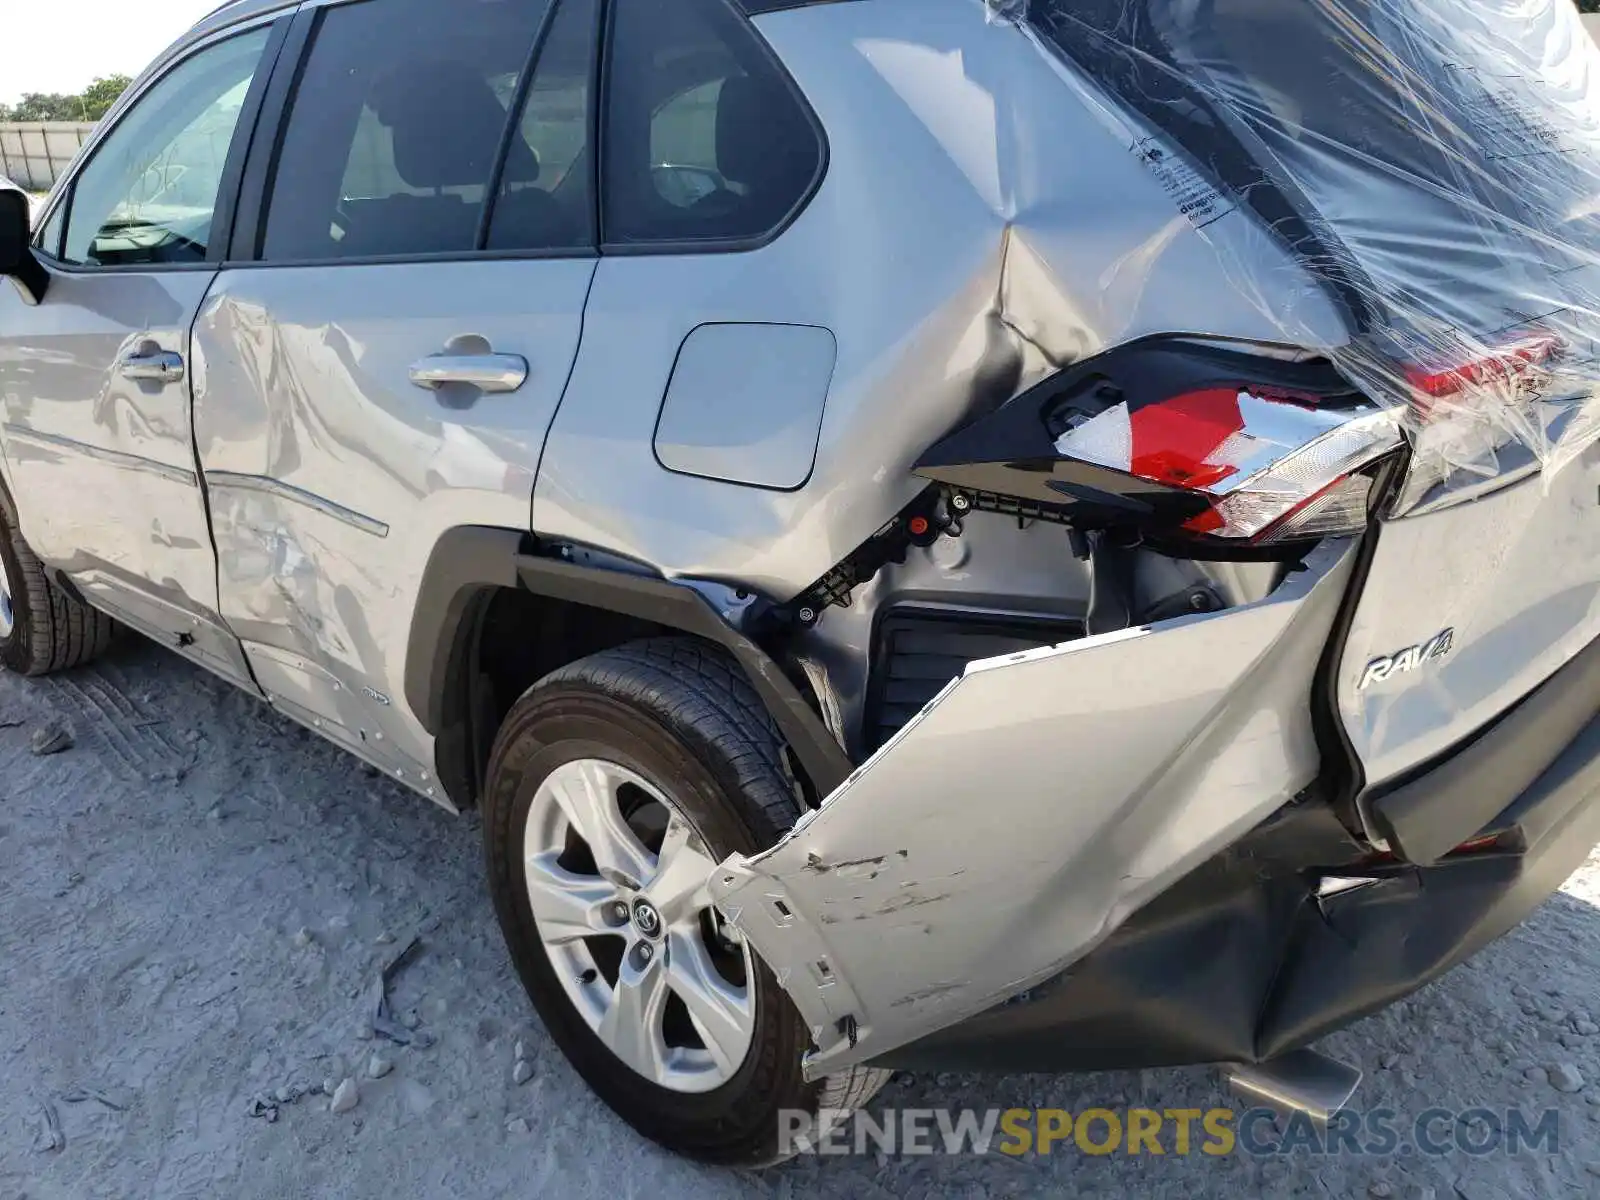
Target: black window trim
261	170
739	11
228	188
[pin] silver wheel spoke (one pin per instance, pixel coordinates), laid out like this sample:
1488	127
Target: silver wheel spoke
567	906
720	1011
632	1027
655	905
587	793
681	873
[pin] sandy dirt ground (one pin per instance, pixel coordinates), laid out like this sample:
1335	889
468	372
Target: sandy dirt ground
196	898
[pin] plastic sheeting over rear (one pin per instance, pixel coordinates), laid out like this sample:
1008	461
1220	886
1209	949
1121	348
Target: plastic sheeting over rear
1435	164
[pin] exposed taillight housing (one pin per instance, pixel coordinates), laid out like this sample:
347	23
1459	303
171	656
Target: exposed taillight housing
1467	409
1271	466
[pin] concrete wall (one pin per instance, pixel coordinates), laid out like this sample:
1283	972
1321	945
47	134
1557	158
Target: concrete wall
35	154
1592	20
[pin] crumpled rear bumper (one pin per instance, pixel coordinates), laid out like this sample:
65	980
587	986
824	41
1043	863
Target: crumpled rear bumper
1029	810
1244	960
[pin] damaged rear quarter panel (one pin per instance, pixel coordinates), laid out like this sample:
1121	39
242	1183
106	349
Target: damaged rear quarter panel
1033	805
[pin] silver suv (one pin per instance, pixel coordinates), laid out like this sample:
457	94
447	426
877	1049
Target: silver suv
1028	536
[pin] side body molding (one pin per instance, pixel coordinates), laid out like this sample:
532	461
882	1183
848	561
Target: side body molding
919	895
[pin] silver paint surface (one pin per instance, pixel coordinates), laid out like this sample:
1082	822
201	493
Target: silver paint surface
1515	574
1128	759
105	464
1016	230
745	403
332	475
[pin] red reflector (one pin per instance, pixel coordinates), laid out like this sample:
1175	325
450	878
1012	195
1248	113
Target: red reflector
1501	364
1172	441
918	526
1480	843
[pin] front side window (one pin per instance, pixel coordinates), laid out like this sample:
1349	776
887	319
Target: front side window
707	140
149	193
396	128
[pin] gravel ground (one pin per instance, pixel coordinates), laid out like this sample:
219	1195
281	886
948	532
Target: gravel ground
196	897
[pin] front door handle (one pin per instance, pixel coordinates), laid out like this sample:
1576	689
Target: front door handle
156	366
486	372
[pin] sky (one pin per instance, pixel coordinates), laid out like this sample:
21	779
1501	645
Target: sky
61	45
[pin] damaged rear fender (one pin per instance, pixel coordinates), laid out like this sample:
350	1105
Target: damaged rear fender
1028	810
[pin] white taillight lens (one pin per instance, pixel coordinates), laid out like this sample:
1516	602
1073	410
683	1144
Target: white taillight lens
1274	467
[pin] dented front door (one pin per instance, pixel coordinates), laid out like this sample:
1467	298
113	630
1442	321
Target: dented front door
1028	810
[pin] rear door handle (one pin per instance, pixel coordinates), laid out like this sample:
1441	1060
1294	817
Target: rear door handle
486	372
156	366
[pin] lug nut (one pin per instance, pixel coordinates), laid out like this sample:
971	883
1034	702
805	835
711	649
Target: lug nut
646	953
620	913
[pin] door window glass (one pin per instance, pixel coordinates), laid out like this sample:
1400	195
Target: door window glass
546	199
395	128
706	137
149	193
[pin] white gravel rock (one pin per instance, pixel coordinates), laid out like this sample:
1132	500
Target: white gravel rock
1564	1077
517	1125
379	1065
345	1097
522	1072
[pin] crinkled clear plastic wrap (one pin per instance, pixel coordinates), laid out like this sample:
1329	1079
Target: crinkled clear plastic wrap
1435	164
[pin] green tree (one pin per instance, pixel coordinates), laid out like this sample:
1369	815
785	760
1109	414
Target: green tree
102	94
48	106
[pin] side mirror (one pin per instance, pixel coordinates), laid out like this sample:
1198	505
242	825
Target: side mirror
16	255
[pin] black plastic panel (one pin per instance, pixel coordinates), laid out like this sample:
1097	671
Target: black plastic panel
918	652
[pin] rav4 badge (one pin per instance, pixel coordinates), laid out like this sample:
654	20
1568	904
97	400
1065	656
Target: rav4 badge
1408	659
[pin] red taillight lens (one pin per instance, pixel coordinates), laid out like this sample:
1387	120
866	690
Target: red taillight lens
1274	467
1504	364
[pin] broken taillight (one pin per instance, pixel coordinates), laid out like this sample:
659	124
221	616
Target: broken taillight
1272	466
1513	363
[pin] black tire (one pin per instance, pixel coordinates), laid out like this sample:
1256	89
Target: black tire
50	630
681	714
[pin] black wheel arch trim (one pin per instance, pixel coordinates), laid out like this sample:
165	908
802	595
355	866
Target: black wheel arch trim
467	561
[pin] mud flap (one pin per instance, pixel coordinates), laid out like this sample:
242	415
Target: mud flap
1028	810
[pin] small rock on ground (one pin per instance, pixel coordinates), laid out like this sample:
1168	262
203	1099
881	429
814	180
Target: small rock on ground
52	738
1564	1077
379	1065
345	1097
522	1072
516	1125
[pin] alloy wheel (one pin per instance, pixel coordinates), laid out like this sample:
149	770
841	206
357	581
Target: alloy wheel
616	879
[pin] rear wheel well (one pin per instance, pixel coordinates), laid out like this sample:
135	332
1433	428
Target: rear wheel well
509	640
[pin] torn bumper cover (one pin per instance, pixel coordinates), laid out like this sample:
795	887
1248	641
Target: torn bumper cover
1000	911
1034	805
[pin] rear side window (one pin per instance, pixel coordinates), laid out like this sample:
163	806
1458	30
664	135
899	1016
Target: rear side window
396	127
546	198
707	139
